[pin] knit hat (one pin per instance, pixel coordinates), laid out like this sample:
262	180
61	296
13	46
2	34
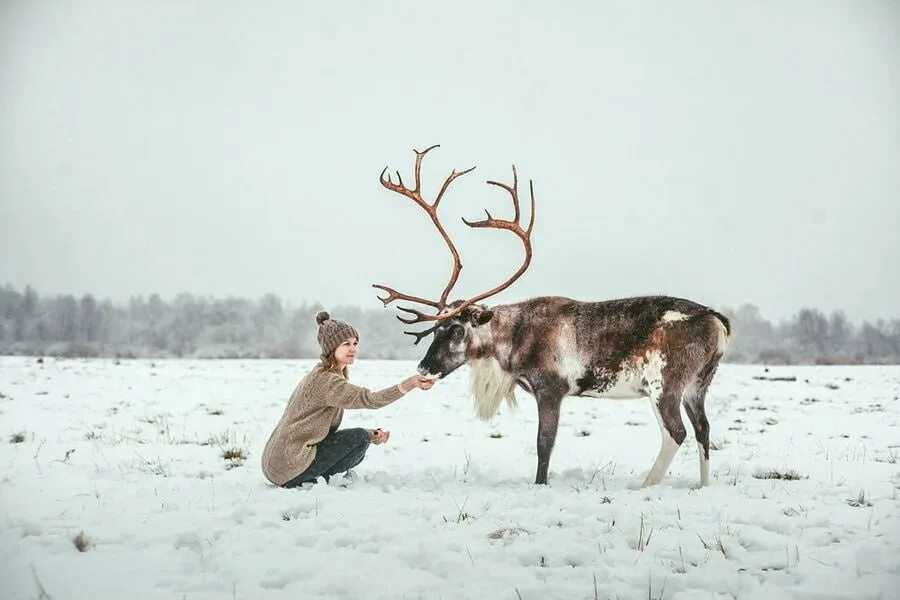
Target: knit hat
332	333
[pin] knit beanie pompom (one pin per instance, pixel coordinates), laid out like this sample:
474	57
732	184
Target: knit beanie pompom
322	316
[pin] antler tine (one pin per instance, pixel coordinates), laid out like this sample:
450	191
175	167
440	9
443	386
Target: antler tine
395	295
513	191
388	182
419	316
514	224
531	220
419	157
420	334
447	183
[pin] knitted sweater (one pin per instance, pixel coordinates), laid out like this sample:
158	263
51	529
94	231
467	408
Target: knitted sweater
315	408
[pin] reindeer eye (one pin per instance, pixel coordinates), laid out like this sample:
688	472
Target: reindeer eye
457	331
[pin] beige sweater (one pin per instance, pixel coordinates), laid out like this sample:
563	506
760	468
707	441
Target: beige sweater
315	408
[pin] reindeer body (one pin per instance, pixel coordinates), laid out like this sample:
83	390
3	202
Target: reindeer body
656	346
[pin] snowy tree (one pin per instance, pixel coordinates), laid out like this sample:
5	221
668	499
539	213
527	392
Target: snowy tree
811	331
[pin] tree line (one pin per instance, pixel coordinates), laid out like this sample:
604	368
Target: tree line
203	327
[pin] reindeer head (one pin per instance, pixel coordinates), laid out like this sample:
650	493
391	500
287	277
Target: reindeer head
457	339
458	325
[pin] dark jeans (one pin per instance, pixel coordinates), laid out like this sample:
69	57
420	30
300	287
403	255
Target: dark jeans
339	451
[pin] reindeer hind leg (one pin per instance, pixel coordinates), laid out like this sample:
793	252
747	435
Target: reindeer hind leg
694	406
667	408
696	412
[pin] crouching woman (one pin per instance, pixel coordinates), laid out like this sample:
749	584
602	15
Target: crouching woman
307	444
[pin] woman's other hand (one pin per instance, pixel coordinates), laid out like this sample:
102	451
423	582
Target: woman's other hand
380	436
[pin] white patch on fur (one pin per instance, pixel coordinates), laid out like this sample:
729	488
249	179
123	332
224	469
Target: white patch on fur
673	315
629	382
570	366
490	386
652	369
723	337
626	387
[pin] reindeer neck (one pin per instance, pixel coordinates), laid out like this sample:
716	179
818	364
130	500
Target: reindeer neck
501	329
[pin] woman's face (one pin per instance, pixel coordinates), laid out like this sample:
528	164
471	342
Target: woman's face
345	353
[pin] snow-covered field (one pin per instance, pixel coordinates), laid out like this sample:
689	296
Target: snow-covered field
131	455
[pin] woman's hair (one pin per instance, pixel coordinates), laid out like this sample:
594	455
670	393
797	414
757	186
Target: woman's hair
330	364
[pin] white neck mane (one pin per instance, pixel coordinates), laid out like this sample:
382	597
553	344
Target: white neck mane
490	386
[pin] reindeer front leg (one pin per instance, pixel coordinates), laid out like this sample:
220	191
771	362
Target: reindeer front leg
548	423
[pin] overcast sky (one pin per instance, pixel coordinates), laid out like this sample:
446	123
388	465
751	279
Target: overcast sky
726	154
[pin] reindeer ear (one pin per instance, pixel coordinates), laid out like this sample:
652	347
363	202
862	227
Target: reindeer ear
481	317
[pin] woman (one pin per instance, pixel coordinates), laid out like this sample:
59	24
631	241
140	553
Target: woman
306	443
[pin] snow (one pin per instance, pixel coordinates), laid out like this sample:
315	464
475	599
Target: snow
130	454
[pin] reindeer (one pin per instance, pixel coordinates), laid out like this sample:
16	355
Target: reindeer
657	346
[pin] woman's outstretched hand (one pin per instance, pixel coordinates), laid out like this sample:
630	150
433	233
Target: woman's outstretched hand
416	381
423	383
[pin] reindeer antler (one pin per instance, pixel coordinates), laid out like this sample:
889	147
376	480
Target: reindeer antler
522	234
415	194
490	223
